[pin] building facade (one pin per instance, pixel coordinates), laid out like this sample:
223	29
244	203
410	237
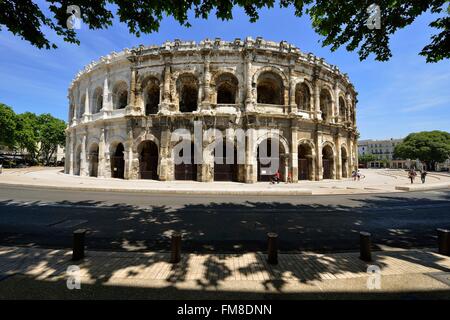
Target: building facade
383	150
124	109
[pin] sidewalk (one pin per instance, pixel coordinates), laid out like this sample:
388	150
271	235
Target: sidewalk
41	273
375	181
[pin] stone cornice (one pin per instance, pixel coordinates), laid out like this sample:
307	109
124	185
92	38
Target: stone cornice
257	46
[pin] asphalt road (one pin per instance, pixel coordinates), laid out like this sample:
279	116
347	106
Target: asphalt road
130	221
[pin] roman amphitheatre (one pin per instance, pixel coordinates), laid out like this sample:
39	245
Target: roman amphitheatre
125	107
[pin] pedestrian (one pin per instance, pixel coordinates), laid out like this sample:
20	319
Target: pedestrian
289	177
354	175
358	174
412	175
423	175
276	177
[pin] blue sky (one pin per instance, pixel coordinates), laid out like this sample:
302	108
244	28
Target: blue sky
395	98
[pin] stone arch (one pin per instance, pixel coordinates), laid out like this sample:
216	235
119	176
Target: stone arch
187	85
303	96
186	171
270	69
274	135
226	167
328	160
150	89
117	159
97	100
144	137
306	156
148	154
270	88
77	162
120	94
344	161
92	157
326	103
226	88
283	154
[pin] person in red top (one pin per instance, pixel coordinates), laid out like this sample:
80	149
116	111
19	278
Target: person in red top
276	177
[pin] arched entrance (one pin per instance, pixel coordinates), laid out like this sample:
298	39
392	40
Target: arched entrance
269	89
344	162
148	160
187	87
186	171
225	165
327	162
151	95
77	164
305	162
269	163
118	162
93	160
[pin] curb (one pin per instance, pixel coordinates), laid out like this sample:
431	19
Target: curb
423	187
171	192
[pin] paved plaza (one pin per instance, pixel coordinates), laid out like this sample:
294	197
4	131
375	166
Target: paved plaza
374	181
41	273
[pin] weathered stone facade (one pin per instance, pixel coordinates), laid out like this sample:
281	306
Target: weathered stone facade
124	108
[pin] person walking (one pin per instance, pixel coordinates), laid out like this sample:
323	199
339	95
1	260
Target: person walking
412	175
276	177
423	175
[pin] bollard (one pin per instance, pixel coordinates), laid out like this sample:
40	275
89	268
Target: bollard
272	248
444	241
365	246
175	248
78	244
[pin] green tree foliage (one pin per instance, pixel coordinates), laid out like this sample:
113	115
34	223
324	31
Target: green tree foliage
7	125
341	23
427	146
51	135
39	135
366	158
27	134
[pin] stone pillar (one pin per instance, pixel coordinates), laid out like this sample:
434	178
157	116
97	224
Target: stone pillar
334	104
132	96
318	113
165	94
206	101
101	154
107	97
72	153
251	164
128	153
165	165
249	98
292	90
69	150
86	106
83	161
